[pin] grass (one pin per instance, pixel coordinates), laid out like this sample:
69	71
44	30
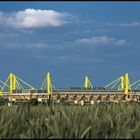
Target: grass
104	120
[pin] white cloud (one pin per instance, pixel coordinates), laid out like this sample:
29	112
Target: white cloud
132	24
101	40
24	45
34	18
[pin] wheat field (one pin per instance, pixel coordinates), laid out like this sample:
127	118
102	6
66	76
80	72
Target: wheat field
102	120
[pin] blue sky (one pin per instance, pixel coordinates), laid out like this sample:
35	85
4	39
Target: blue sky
70	40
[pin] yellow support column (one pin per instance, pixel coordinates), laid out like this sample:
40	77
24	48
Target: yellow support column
11	82
86	85
49	87
12	79
122	83
126	83
14	82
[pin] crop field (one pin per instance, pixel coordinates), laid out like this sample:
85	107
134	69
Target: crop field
102	120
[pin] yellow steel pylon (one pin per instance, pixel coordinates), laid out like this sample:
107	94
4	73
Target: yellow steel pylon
12	78
87	83
127	84
14	83
49	86
122	83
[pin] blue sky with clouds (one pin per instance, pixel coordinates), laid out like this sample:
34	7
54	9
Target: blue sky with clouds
71	40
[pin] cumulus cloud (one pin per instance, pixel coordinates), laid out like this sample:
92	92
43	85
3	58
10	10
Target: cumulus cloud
101	40
132	24
34	18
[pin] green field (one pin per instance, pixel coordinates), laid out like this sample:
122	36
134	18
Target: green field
104	120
